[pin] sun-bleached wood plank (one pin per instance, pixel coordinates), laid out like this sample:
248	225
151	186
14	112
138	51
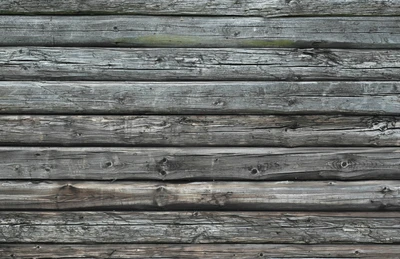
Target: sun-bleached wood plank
201	130
197	251
197	64
216	32
191	227
126	195
127	98
17	163
271	8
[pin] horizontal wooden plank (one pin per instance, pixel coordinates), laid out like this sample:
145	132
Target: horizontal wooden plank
126	195
197	251
200	227
162	64
199	163
204	7
363	98
218	32
200	130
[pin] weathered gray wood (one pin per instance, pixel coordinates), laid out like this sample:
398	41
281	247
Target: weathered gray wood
200	227
298	195
197	251
159	31
289	131
199	163
364	98
204	7
41	63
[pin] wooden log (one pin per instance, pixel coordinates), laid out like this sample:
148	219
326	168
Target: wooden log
197	251
200	227
165	64
216	32
203	7
127	98
289	131
199	163
126	195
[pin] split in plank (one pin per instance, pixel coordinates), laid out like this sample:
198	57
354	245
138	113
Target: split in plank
17	163
204	7
201	227
217	32
166	64
200	130
197	251
55	97
126	195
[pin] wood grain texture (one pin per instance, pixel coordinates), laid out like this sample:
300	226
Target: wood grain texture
166	64
199	163
126	195
217	32
127	98
271	8
197	251
200	227
288	131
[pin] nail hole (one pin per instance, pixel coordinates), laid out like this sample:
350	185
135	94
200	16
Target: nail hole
108	164
115	28
254	171
261	254
47	169
163	172
37	154
357	252
164	160
344	164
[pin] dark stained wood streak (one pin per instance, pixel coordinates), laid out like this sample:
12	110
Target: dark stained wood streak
126	195
204	228
217	32
166	64
199	163
204	7
197	251
287	131
127	98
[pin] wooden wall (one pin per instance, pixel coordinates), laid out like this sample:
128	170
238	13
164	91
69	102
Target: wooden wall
199	129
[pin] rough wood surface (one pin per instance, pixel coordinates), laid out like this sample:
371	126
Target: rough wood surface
289	131
158	31
200	227
163	64
271	8
197	251
364	98
199	163
126	195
